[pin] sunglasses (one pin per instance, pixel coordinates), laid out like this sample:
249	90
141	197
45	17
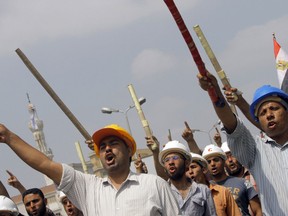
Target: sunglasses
174	157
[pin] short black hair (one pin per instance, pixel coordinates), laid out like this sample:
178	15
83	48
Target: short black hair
33	191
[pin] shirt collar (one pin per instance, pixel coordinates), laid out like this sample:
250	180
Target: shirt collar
131	177
266	139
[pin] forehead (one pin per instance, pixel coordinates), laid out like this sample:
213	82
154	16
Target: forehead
31	197
228	153
213	157
108	139
195	163
270	103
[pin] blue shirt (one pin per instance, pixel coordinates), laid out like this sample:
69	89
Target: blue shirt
198	202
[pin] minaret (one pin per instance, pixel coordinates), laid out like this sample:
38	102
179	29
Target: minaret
36	126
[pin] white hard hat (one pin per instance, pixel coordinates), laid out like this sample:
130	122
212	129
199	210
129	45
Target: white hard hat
61	196
225	147
174	147
199	159
7	205
213	150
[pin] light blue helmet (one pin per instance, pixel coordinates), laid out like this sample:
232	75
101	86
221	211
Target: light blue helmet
267	92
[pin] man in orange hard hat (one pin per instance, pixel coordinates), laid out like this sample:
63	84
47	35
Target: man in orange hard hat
122	192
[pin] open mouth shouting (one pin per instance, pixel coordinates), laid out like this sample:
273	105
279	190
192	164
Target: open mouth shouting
172	170
214	170
70	212
109	158
271	125
232	166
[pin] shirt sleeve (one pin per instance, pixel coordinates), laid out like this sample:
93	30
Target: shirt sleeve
73	183
242	144
168	201
251	192
210	208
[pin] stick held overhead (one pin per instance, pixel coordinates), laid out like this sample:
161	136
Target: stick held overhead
214	61
192	47
141	115
53	94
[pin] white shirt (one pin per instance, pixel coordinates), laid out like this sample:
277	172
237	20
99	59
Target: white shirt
140	194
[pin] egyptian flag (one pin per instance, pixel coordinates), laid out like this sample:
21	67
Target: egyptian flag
281	65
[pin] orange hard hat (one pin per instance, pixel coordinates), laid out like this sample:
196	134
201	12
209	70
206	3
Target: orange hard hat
113	130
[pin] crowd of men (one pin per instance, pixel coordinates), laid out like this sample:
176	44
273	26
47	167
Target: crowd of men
243	176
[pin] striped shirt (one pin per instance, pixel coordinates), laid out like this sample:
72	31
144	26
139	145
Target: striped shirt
198	202
139	194
268	163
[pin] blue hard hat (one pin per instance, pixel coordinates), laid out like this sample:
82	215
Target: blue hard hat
264	92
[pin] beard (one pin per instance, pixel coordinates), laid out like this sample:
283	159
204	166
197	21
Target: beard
178	174
234	172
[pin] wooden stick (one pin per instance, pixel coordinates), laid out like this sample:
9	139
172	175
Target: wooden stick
52	93
192	48
214	61
143	120
81	157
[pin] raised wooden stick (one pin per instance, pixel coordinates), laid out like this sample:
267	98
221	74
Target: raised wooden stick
143	120
52	93
214	62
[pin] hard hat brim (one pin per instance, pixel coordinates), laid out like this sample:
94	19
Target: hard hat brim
99	135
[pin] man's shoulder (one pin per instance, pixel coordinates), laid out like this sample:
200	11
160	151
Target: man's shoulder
240	182
231	180
200	186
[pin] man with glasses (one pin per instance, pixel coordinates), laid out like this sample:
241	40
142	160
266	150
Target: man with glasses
193	198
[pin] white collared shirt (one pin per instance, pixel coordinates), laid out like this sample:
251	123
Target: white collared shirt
140	194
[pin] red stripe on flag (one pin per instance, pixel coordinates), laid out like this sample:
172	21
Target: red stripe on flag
277	47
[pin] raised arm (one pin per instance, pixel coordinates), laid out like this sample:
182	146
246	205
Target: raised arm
221	108
188	136
140	166
159	169
217	139
14	182
241	103
31	156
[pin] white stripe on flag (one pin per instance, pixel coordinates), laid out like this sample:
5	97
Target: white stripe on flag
281	63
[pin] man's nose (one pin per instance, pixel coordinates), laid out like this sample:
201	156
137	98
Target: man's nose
108	148
270	115
32	205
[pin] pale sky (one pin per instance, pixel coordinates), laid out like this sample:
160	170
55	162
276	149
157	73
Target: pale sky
89	51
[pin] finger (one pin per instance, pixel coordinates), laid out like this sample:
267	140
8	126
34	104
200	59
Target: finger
169	135
187	126
149	138
9	173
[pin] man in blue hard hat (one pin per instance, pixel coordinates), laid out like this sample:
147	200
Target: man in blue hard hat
266	156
